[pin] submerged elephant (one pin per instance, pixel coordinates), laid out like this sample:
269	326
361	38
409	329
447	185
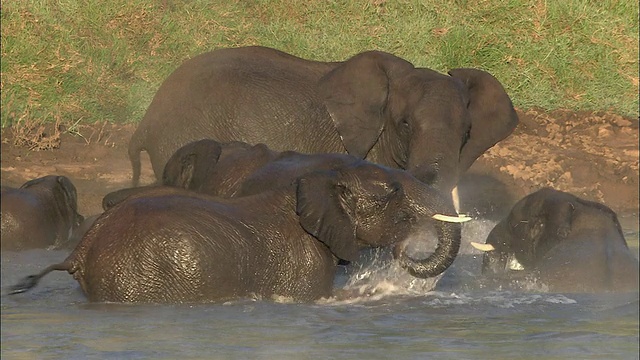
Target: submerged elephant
193	166
43	212
172	245
235	169
564	242
375	106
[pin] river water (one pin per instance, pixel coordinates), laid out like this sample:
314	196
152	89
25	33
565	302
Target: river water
382	313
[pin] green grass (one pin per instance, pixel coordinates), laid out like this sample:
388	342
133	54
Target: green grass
87	61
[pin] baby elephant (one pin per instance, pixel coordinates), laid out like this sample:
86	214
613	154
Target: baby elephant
43	212
171	245
564	242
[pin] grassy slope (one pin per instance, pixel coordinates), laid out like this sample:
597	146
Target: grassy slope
85	61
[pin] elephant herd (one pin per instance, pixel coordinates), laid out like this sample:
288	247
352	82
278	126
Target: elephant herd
273	170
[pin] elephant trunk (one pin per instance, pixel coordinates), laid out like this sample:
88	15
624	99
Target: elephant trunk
430	206
438	169
449	235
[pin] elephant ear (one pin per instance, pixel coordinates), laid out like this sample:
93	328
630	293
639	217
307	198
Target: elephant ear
190	166
493	117
324	208
186	171
356	94
66	198
69	190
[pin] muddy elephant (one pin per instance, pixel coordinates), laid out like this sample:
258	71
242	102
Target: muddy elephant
235	169
563	242
42	213
374	106
173	245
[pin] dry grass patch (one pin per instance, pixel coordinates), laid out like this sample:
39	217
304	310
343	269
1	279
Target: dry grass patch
37	135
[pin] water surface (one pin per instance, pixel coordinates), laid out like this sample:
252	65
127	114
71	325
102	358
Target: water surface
385	314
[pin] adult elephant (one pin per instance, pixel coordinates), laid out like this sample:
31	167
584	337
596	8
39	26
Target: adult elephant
564	242
42	213
375	106
173	245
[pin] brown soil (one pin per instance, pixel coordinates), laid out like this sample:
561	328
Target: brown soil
592	155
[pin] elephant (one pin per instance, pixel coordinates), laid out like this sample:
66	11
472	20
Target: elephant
235	169
375	106
171	245
566	243
215	168
42	213
194	166
78	233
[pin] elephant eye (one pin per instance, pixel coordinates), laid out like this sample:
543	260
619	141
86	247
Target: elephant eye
405	125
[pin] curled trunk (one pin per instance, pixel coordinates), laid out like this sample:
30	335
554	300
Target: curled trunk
449	237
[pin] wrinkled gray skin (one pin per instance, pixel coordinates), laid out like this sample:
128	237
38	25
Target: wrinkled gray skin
235	169
567	243
374	106
42	213
172	245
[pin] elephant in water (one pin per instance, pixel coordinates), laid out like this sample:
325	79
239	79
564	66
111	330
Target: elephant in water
42	213
171	245
563	242
235	169
374	106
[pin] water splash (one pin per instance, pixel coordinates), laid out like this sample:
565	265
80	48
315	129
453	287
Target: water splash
376	277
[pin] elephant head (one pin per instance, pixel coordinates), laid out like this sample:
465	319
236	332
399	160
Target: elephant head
41	213
431	124
63	195
214	168
535	224
567	242
347	213
190	165
205	166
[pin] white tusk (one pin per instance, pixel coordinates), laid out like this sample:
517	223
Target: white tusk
514	264
483	247
456	198
449	218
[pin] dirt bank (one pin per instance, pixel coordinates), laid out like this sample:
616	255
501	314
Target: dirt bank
592	155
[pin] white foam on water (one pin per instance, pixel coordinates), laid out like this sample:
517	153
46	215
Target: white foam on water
511	300
560	299
504	300
381	277
378	277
